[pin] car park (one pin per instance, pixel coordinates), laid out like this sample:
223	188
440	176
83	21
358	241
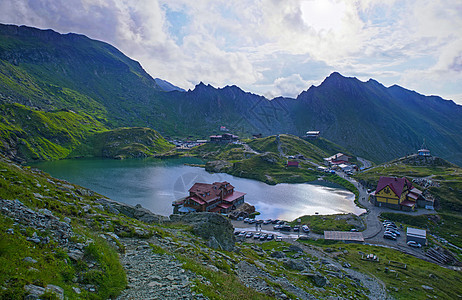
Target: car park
256	236
414	244
249	235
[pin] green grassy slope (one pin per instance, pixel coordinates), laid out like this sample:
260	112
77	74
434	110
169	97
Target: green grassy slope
37	135
123	143
53	265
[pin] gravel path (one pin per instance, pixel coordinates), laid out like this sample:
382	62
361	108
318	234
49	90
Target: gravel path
154	276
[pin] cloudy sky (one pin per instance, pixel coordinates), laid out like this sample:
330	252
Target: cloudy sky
270	47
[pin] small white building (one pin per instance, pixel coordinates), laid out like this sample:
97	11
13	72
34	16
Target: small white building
416	235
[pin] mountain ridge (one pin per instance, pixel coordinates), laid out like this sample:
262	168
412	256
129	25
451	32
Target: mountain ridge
373	121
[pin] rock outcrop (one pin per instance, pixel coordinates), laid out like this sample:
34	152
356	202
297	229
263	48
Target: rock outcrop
214	228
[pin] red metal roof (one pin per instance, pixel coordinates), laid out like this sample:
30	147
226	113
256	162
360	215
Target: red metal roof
197	200
233	196
292	163
396	184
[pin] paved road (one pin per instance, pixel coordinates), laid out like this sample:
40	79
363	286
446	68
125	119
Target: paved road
374	228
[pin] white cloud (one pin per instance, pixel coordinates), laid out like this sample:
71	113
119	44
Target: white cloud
262	45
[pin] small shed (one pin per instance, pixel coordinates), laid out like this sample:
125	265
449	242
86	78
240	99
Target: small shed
416	235
292	163
344	236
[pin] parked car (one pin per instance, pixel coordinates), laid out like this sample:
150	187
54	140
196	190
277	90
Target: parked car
354	230
305	228
285	228
252	221
270	237
259	221
281	222
391	233
275	221
266	222
246	220
277	227
389	236
256	236
240	219
237	232
414	244
395	231
242	234
296	228
249	235
263	236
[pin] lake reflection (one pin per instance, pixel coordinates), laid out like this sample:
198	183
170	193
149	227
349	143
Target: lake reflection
156	183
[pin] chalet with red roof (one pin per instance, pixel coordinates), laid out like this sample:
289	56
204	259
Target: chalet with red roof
219	197
397	193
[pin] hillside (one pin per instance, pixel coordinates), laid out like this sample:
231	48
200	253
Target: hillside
61	240
48	71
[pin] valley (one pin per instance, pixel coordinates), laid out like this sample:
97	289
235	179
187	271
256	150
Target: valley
79	105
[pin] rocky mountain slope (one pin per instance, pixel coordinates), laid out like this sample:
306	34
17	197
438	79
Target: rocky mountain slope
45	70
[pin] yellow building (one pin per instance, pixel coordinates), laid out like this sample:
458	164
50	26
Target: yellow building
394	193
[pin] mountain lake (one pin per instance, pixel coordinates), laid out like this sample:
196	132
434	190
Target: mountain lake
156	183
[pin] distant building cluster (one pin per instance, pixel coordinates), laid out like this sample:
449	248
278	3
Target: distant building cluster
341	162
224	138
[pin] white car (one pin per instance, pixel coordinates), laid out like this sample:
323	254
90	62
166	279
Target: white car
414	244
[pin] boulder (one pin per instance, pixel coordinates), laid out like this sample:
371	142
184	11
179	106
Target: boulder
214	228
318	279
278	254
294	264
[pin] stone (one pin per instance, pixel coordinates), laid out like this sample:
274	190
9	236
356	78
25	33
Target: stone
208	225
75	254
76	290
278	254
426	287
295	248
10	231
34	291
58	291
170	277
294	264
318	279
34	239
29	260
67	220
